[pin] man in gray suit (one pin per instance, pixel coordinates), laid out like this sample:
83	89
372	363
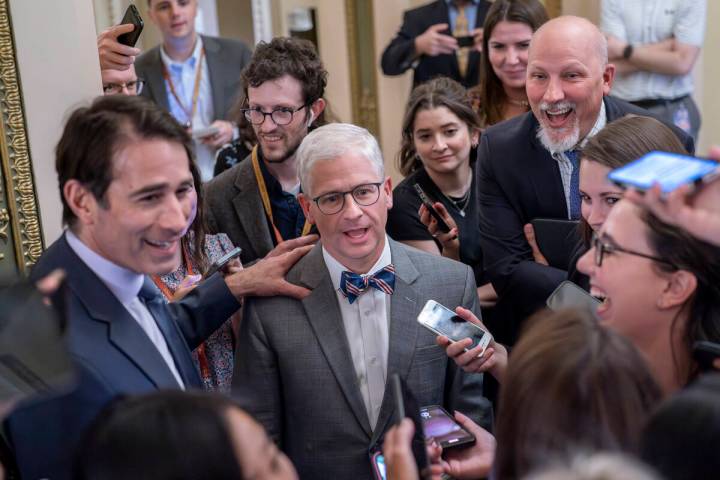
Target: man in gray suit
314	372
255	201
194	77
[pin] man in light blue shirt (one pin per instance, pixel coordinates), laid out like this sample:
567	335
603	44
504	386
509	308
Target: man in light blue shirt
194	77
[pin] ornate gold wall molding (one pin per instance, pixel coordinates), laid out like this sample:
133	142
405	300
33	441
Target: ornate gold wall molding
361	55
20	232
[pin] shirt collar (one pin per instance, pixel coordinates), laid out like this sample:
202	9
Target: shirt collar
190	61
123	283
336	268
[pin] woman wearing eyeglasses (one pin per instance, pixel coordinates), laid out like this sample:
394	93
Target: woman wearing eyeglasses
660	288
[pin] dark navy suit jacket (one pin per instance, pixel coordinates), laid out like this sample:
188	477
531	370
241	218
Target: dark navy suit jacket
519	181
399	55
113	356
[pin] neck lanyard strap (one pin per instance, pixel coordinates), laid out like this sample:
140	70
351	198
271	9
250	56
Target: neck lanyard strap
196	88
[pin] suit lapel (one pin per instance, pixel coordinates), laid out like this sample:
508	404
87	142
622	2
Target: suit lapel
249	209
155	79
216	68
405	305
123	331
544	174
325	318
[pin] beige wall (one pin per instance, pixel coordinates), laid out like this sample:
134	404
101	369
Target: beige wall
235	20
59	70
707	73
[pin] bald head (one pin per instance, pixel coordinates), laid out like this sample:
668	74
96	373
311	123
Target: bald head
567	77
570	30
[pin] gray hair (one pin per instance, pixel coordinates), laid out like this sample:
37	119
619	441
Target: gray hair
332	141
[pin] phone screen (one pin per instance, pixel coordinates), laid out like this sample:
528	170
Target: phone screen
438	424
446	322
379	462
670	170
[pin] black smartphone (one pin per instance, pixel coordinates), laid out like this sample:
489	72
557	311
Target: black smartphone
441	426
429	205
220	263
557	239
132	15
465	41
669	170
705	353
396	386
570	295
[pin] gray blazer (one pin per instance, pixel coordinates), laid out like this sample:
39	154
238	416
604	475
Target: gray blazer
225	58
295	374
233	206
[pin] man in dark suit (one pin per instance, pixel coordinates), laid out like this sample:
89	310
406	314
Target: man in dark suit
255	201
426	42
194	77
528	166
125	173
314	372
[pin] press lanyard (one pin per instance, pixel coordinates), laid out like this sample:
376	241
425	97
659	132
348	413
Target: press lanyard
196	89
266	198
202	357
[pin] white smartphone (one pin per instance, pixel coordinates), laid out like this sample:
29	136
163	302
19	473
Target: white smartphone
204	132
443	321
669	170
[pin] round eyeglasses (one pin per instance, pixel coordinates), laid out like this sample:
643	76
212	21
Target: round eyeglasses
364	195
134	87
281	116
602	247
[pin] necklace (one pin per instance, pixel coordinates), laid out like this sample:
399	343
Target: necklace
519	103
461	203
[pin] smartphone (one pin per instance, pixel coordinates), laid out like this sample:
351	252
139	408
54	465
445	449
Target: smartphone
669	170
557	239
220	263
705	353
465	41
204	132
429	205
570	295
441	426
442	321
132	15
378	463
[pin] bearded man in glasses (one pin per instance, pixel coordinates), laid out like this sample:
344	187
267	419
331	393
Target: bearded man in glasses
255	202
316	373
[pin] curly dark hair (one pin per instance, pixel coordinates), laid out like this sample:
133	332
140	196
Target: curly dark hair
287	56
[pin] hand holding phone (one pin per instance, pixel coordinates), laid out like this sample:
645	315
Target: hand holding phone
442	321
221	262
669	170
442	225
132	16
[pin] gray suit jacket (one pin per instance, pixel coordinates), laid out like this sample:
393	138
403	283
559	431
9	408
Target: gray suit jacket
233	206
225	58
295	374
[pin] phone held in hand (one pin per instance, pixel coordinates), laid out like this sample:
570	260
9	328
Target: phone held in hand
221	262
132	15
439	425
442	321
429	205
669	170
465	41
204	132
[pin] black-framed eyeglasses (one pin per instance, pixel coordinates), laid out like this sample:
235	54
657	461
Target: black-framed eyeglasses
602	247
134	87
364	195
281	116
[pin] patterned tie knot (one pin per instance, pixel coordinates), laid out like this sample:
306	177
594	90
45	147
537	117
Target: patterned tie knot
353	285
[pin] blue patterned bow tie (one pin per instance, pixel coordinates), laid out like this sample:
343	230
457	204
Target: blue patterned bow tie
352	284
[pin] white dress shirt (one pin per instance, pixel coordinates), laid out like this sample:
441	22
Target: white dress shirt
125	285
183	76
366	324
